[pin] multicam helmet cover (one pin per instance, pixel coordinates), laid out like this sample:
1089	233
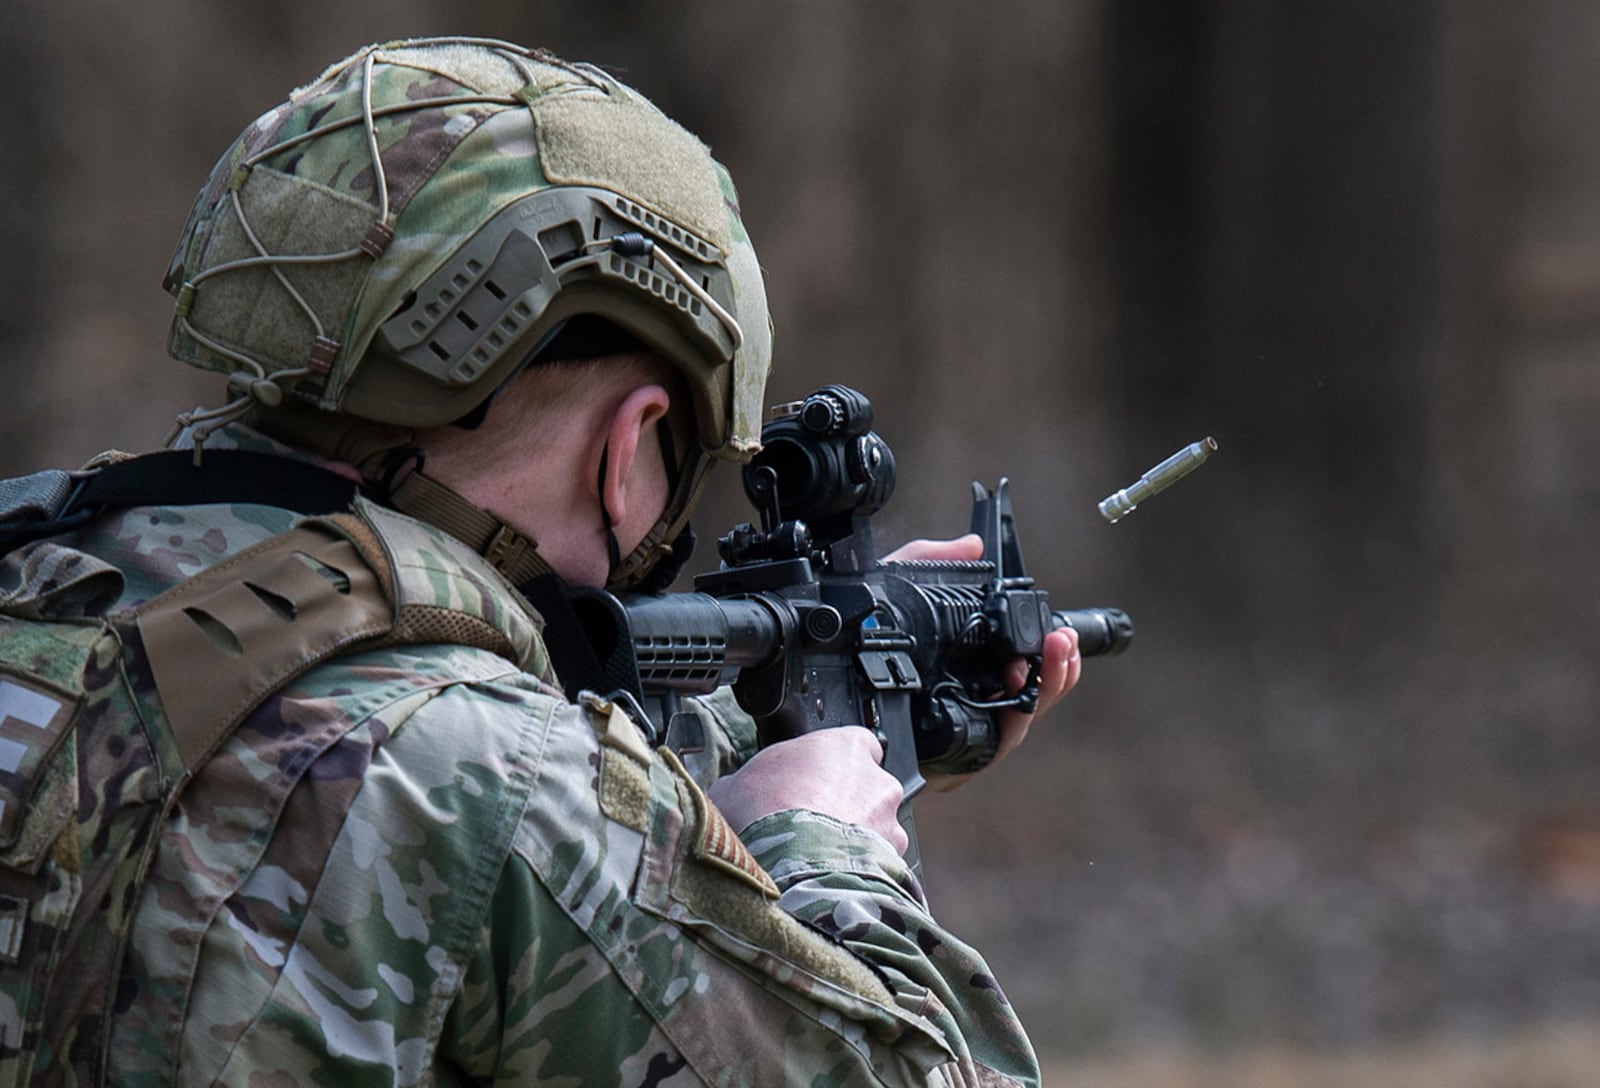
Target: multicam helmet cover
393	242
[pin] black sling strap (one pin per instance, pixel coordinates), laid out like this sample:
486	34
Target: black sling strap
569	637
571	652
171	478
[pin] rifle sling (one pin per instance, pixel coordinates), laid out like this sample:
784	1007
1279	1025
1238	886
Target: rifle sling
171	478
571	654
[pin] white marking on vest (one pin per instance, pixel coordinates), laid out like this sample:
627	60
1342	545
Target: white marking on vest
26	705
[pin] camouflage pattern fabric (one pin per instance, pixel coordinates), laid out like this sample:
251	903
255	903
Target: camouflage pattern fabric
464	128
424	864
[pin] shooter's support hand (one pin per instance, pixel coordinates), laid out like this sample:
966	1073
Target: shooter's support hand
1058	672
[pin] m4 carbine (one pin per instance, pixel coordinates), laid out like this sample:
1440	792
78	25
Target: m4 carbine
812	631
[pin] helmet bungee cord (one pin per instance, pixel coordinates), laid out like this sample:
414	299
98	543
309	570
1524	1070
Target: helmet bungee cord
386	250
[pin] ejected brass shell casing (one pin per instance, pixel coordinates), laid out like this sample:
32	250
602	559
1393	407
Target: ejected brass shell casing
1118	506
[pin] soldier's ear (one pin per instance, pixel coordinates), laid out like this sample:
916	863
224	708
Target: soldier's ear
619	474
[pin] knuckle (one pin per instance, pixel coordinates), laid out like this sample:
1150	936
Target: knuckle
868	744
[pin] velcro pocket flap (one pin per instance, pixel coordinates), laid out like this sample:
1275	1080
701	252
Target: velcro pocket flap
35	718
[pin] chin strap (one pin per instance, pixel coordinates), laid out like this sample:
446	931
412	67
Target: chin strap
657	559
516	555
513	554
613	549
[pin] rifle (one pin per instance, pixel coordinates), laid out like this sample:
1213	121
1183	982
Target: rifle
812	631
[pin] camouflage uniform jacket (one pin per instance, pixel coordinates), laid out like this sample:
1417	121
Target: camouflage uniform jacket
422	863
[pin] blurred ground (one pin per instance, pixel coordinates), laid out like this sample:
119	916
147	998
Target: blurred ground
1554	1057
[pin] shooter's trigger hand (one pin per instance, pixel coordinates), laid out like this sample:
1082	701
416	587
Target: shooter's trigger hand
832	771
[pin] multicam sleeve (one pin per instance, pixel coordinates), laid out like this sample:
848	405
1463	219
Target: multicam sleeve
715	739
848	882
540	1003
632	939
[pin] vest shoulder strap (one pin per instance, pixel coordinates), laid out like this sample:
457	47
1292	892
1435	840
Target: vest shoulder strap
221	642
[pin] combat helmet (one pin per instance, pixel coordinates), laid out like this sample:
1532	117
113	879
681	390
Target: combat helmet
392	244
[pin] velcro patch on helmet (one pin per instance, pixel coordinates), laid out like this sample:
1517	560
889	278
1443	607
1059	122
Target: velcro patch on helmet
485	70
622	144
248	308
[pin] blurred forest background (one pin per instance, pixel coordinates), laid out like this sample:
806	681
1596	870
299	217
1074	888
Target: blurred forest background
1334	819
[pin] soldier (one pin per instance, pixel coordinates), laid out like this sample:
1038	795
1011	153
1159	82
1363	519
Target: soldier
486	319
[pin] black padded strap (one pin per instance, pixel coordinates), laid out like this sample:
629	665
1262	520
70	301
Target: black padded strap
171	478
578	665
575	661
